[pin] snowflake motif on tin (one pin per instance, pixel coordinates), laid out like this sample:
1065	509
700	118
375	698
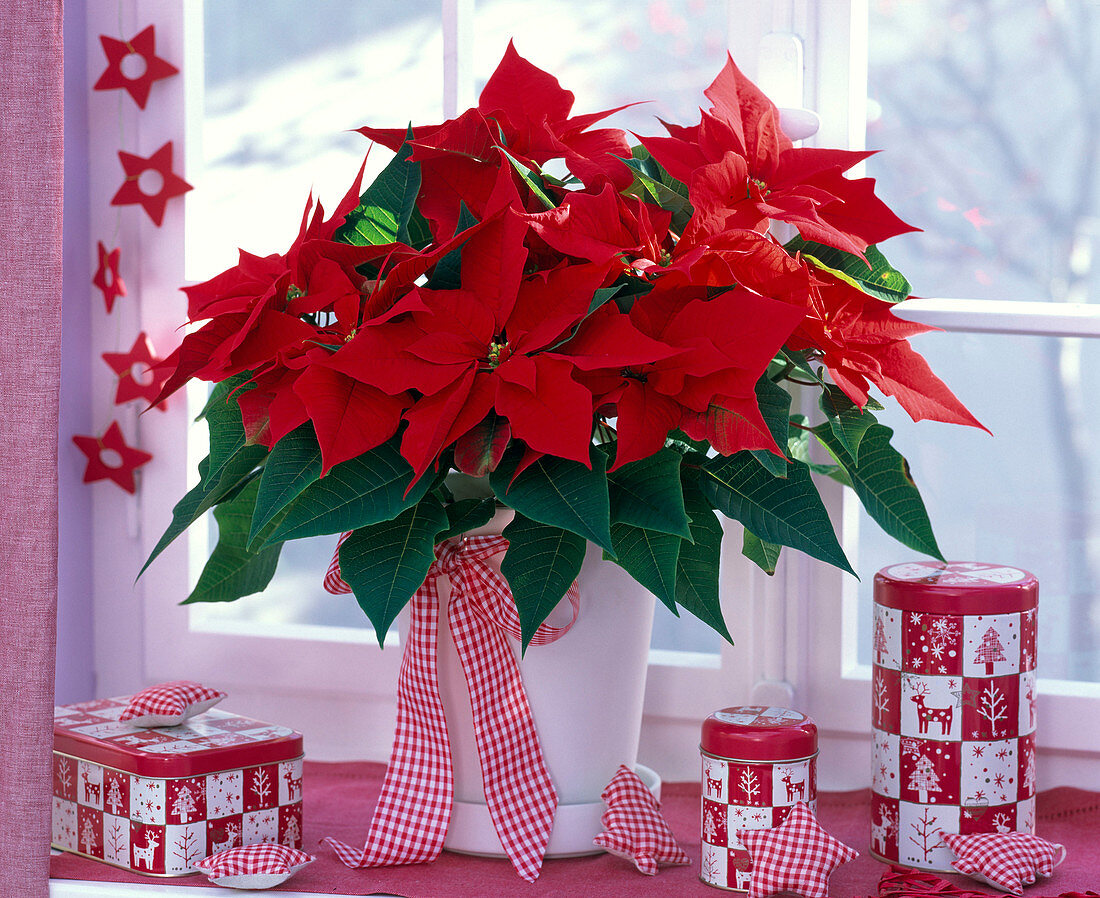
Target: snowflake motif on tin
147	800
64	823
224	793
261	826
990	770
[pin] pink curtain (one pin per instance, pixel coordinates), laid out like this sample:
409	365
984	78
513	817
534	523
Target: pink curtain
31	104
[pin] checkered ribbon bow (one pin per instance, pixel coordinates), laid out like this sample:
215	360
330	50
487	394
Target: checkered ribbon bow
414	809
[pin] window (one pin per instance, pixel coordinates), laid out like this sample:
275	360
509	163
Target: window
1010	225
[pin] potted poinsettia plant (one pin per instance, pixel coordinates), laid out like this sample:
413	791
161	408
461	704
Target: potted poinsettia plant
612	354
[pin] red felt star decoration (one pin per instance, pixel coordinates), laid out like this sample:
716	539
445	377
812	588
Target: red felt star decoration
98	469
144	46
130	193
130	387
106	276
796	856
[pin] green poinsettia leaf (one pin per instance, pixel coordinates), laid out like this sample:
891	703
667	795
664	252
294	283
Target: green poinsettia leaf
886	488
798	448
787	511
528	177
448	270
293	464
559	493
876	277
848	422
365	490
209	491
540	565
764	555
775	406
647	493
232	570
697	568
223	419
468	514
385	563
650	557
387	206
653	184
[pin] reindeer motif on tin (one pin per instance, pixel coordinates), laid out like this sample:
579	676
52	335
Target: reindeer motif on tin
926	715
146	854
293	785
90	788
232	833
794	788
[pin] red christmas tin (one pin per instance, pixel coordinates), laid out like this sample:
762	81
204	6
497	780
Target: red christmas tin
953	707
758	762
158	800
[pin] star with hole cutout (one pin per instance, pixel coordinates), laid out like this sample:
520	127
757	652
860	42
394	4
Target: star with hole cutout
142	45
130	387
106	276
796	856
98	469
131	194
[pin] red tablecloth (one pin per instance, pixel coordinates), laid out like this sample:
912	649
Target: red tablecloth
339	799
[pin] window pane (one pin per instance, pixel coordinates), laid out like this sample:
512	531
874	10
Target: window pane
985	116
284	81
663	51
1026	497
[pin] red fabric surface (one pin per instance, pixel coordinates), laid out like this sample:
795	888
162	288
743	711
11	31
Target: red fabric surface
31	109
339	799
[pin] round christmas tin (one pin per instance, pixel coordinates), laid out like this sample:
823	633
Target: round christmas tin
758	762
953	707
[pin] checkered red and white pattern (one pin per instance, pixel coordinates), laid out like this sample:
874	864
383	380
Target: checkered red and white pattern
413	812
796	856
254	866
953	717
634	827
1006	861
168	704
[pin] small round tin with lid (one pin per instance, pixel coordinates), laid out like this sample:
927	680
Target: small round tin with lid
758	762
953	706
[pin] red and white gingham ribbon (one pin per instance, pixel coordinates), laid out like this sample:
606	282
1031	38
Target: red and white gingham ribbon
410	821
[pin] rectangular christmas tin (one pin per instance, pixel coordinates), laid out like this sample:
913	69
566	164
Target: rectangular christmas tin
157	800
953	707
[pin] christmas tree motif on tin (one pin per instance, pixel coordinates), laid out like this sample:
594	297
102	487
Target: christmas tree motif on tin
749	784
184	805
1029	770
116	843
260	785
926	834
992	706
89	841
990	651
880	640
924	779
292	833
186	848
114	800
64	775
712	865
714	823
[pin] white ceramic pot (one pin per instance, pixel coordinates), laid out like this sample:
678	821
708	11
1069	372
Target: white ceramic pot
585	691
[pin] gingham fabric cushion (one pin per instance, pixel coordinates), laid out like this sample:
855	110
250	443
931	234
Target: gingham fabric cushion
634	827
1007	861
796	856
169	704
254	866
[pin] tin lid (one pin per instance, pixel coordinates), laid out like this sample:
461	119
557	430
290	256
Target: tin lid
957	587
210	742
759	733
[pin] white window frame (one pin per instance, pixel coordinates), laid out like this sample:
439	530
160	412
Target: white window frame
142	635
823	619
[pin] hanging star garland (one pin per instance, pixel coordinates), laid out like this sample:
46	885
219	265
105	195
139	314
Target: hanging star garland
106	276
142	45
131	194
98	469
129	386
